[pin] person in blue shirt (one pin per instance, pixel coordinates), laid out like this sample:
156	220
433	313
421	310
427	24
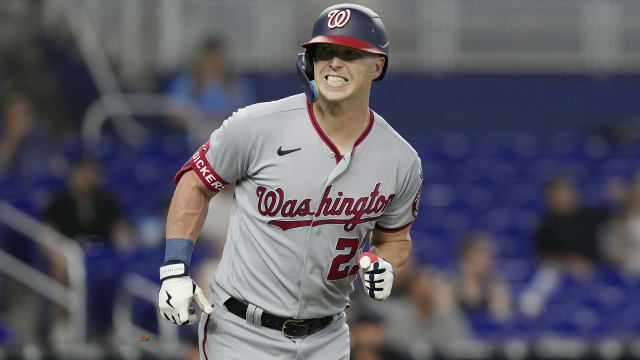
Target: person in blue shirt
210	90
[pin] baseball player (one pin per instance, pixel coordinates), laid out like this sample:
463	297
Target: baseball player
314	175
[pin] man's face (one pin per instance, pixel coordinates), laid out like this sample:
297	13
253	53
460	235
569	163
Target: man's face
212	62
343	72
479	259
83	179
562	197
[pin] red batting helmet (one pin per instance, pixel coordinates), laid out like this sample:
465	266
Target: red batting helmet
353	26
349	25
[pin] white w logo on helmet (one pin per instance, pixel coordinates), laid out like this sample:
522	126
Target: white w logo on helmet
338	18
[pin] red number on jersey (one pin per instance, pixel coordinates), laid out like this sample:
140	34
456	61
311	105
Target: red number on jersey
343	260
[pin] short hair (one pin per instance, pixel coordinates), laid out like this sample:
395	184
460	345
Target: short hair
212	44
558	180
474	240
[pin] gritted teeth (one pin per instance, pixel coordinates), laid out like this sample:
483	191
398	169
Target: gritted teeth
336	78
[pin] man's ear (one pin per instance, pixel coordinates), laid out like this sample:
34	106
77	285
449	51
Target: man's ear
379	66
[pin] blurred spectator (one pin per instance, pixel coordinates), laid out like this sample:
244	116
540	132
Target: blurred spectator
210	87
214	92
17	125
567	244
478	285
84	210
22	142
424	318
567	234
25	159
614	191
620	240
87	213
369	339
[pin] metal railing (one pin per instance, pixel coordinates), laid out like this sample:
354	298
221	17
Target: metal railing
72	298
167	344
76	14
576	36
142	104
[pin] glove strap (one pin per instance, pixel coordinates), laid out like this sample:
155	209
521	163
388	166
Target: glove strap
178	250
177	257
173	270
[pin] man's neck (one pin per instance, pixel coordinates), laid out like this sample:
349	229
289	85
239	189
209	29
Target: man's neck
343	122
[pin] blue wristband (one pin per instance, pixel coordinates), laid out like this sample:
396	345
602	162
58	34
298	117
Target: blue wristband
178	250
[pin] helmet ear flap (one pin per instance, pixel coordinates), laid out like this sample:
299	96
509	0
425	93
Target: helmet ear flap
304	66
308	63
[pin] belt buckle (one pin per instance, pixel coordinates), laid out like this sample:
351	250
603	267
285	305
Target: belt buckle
295	322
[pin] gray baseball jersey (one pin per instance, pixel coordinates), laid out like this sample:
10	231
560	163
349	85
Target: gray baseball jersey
303	210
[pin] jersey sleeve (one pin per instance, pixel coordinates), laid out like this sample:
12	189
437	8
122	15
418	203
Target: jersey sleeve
403	209
224	157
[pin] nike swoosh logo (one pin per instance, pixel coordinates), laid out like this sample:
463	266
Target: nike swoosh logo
285	152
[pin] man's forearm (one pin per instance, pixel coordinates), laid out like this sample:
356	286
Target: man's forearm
188	209
395	252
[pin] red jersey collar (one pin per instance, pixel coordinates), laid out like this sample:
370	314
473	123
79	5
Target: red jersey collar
328	141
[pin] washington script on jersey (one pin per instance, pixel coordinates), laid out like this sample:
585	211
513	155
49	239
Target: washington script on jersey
272	203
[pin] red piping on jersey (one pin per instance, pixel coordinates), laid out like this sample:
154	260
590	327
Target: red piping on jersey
288	224
181	172
199	163
204	339
392	230
366	131
328	141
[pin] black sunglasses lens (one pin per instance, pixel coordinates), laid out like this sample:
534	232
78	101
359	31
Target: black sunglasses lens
349	55
324	53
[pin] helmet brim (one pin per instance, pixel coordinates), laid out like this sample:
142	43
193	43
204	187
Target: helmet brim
344	41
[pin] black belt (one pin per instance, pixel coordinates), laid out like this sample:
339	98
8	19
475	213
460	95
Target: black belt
289	327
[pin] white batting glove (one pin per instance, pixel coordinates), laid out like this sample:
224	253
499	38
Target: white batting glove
176	294
376	275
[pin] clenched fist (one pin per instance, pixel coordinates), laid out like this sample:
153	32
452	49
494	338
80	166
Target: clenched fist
377	275
177	293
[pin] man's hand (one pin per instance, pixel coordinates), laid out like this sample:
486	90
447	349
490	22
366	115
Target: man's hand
376	275
176	295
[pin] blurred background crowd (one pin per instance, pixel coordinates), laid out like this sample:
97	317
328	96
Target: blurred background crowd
525	114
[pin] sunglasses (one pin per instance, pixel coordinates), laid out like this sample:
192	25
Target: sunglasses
325	52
